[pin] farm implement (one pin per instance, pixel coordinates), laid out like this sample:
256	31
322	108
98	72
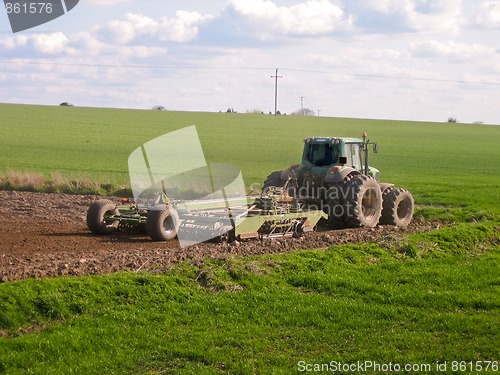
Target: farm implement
334	181
269	215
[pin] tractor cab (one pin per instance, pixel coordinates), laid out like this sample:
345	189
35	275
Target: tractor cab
322	158
334	158
329	152
328	160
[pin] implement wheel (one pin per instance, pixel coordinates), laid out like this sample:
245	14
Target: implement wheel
162	224
397	208
362	202
101	217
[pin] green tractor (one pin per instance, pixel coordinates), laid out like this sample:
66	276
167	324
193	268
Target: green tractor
335	176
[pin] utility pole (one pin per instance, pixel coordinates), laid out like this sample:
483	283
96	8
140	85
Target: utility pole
319	111
301	102
276	91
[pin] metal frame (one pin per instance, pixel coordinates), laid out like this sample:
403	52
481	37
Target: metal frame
260	217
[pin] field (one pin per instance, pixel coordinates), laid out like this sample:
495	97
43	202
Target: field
424	298
455	165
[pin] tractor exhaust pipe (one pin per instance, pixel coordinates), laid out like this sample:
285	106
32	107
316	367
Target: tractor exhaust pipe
365	149
366	142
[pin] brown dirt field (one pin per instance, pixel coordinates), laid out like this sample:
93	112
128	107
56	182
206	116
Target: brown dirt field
45	235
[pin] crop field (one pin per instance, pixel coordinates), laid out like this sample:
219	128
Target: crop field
427	299
456	165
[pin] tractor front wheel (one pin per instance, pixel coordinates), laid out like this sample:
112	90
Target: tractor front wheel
101	217
397	208
162	224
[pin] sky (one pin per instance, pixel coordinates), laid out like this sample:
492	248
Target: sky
422	60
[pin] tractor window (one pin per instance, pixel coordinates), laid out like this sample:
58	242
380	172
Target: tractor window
353	155
322	154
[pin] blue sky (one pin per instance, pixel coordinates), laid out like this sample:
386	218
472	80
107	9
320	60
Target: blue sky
390	59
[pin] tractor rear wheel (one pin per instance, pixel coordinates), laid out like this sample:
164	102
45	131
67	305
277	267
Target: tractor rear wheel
162	224
100	217
362	202
274	179
397	207
334	206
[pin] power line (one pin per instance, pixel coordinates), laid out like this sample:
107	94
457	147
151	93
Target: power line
173	67
380	76
168	67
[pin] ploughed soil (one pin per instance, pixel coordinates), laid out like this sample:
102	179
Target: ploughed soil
45	235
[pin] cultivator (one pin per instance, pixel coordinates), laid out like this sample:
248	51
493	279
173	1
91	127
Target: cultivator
269	215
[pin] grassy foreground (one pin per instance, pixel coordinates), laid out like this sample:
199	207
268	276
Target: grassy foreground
432	299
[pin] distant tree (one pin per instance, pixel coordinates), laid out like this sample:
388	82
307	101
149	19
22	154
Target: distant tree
66	104
230	110
304	112
452	120
159	108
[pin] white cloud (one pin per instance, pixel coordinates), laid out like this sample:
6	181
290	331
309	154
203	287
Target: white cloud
49	44
142	52
417	15
82	44
453	51
11	43
368	65
435	14
106	2
356	56
488	15
133	35
86	44
314	17
183	27
117	31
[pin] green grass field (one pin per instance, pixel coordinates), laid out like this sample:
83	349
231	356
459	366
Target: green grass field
455	165
422	299
265	314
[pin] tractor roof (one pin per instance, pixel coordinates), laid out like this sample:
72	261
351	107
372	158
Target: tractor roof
319	140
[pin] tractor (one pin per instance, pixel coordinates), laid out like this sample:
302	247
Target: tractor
335	176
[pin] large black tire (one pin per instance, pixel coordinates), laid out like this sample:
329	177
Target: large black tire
362	202
274	179
397	207
100	217
162	224
334	205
